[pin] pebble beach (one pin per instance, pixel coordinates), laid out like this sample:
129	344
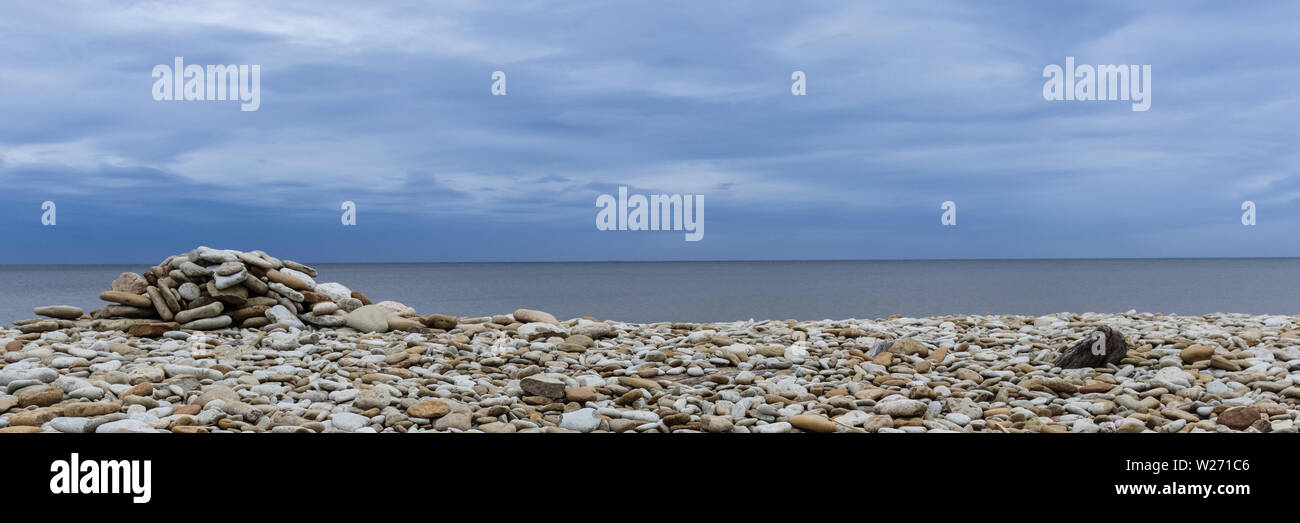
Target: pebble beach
288	354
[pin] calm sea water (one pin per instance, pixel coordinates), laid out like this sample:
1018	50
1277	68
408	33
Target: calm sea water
726	291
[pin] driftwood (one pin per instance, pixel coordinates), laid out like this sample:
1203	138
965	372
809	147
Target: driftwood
1098	349
879	347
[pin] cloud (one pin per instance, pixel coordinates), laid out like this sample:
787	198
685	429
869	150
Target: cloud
389	105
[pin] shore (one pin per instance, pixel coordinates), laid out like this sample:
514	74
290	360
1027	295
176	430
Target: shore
994	373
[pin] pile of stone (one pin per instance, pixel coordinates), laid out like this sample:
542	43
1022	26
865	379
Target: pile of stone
211	289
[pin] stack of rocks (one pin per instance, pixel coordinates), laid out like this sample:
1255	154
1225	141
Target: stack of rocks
210	289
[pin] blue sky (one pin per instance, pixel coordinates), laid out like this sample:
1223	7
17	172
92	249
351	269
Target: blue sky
908	104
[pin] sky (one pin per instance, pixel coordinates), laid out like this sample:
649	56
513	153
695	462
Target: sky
389	105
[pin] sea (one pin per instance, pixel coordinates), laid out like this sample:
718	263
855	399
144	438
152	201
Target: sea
761	290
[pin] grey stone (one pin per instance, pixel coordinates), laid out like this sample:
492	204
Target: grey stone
582	420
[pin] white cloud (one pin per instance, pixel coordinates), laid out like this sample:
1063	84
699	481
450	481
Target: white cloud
82	154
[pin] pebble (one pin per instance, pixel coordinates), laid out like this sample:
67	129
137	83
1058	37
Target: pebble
268	370
581	420
348	422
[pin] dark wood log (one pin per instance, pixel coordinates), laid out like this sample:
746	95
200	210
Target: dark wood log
1098	349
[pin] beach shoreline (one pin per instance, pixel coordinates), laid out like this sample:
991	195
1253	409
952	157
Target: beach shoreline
991	373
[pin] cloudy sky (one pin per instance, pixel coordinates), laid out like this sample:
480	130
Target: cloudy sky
389	105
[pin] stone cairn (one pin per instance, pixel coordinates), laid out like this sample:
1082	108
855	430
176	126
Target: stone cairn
211	289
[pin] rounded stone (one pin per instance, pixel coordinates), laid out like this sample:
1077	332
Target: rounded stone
369	318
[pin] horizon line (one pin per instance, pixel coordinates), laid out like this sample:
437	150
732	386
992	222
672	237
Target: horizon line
779	260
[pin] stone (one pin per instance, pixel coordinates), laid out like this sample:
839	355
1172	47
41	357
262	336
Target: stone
303	277
324	308
454	420
245	313
218	322
229	268
813	423
194	270
40	326
312	298
187	410
209	310
440	321
218	392
256	286
498	427
581	420
125	426
908	347
533	331
1238	418
546	387
295	266
43	396
254	260
233	296
152	330
34	418
580	394
91	409
716	424
398	323
188	291
336	291
429	409
226	281
143	388
159	304
349	422
534	316
396	308
372	399
126	298
69	425
210	256
64	312
852	418
123	311
369	318
966	407
21	429
1197	353
130	283
901	408
280	314
291	282
780	427
639	383
328	321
